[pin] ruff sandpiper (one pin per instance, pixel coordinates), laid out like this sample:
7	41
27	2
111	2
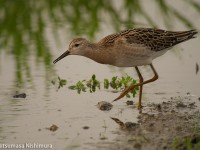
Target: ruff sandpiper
129	48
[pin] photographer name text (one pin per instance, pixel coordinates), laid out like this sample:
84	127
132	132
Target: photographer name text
25	146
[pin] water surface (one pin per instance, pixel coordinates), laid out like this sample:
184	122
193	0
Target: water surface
26	120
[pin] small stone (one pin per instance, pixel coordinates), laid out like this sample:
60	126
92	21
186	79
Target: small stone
192	104
172	111
151	124
103	138
129	102
137	146
104	106
178	128
166	102
181	105
22	95
158	107
130	125
53	128
165	147
86	127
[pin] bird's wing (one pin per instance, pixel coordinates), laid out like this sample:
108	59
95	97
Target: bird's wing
110	39
156	39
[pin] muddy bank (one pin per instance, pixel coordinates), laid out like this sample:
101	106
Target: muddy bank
174	124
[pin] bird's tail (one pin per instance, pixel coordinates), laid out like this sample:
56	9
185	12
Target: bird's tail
185	35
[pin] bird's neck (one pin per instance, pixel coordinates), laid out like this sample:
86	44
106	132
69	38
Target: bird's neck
97	53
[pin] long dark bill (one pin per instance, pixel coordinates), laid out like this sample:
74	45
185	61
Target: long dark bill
61	57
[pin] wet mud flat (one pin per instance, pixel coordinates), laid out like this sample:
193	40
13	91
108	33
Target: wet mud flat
174	124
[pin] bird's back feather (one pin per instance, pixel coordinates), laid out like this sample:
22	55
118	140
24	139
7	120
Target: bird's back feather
154	39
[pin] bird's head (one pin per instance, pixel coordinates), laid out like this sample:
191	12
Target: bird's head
77	46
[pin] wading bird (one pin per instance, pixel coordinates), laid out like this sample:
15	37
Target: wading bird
130	48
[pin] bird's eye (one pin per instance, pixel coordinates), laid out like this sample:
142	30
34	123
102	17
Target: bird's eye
76	45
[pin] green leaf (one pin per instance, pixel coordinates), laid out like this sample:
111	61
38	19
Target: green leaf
106	84
72	87
133	92
93	77
116	83
53	82
58	78
60	82
128	96
63	82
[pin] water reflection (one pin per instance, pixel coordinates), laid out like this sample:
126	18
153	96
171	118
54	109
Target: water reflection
31	31
24	25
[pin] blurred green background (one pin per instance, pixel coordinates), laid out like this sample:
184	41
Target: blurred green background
23	24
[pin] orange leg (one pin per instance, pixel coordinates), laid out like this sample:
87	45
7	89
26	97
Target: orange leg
141	86
128	89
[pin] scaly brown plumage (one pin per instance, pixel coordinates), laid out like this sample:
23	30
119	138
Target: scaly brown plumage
130	48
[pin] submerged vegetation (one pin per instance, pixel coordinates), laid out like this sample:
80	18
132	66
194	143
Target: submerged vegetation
61	82
27	25
30	30
116	84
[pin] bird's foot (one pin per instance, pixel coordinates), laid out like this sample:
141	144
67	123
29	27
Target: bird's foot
128	89
119	97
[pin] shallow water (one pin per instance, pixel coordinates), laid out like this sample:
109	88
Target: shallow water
26	120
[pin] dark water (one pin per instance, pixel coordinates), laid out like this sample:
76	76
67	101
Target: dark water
26	66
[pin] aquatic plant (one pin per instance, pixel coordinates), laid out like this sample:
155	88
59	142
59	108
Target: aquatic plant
116	84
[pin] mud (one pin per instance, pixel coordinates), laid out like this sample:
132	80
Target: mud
174	124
